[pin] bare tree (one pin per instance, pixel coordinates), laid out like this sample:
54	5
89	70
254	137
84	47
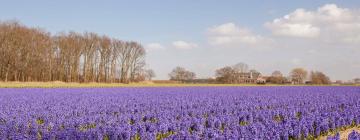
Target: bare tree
241	67
319	78
32	54
298	75
124	58
276	73
276	78
150	74
181	74
137	61
225	75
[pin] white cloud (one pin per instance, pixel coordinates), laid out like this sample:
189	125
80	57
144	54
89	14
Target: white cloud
230	34
297	30
154	46
182	45
328	23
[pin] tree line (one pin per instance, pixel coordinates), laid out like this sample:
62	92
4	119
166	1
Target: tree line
240	73
33	54
237	73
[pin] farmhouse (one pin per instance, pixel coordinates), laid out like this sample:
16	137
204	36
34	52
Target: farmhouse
251	77
261	80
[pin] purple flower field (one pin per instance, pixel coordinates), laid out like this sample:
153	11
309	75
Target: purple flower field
178	112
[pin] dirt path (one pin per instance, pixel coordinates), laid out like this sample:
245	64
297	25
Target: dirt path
344	134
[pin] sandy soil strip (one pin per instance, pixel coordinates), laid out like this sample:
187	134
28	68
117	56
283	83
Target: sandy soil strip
344	134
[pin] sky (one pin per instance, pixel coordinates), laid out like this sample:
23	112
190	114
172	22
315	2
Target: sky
204	35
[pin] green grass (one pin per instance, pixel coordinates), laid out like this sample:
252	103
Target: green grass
99	85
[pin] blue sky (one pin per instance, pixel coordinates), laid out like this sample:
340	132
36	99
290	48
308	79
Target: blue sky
187	32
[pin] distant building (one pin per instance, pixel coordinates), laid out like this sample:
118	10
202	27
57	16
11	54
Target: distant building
261	80
251	77
357	80
338	82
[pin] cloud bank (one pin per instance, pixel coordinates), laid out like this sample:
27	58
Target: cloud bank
328	23
229	34
154	46
182	45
